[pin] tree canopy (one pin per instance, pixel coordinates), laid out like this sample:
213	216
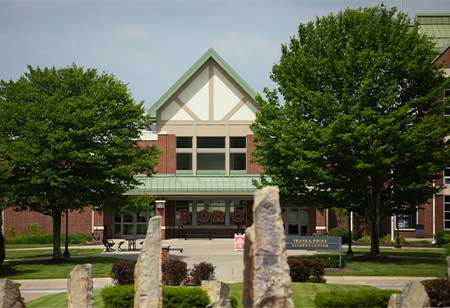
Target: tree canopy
71	137
359	124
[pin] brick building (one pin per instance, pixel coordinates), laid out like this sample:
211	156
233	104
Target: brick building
204	180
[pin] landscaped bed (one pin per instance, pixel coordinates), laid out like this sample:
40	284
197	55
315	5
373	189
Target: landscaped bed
39	253
303	295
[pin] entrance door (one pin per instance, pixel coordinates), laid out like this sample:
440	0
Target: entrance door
295	221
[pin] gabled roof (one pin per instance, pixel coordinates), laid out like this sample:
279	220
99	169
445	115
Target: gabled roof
209	54
188	185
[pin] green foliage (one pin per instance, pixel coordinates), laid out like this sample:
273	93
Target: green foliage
184	297
342	232
350	299
442	237
41	238
173	297
384	240
118	296
70	135
447	250
364	239
233	301
329	261
357	127
122	272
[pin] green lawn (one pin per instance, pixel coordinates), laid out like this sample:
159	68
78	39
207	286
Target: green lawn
48	270
303	295
15	246
410	252
21	254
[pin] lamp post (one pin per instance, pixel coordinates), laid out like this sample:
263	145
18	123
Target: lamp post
397	241
350	251
66	253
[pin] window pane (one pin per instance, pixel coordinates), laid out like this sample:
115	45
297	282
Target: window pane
127	218
117	217
184	161
141	229
117	229
237	142
211	212
447	216
447	172
211	142
183	212
237	161
446	93
238	212
447	224
184	142
447	199
128	229
211	161
142	217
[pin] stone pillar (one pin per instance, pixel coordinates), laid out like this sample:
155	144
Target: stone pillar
10	295
147	272
160	206
217	292
413	295
267	282
80	287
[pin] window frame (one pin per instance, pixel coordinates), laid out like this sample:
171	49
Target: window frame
445	211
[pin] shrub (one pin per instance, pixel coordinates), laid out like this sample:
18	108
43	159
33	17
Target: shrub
118	296
364	239
29	238
184	297
438	292
372	298
201	271
233	301
330	261
173	297
446	250
10	231
302	270
122	272
342	232
174	272
442	237
35	229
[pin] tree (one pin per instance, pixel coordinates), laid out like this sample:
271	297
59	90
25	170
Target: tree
71	135
5	173
359	123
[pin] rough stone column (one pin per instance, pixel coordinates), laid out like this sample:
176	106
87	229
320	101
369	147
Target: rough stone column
412	296
217	292
147	272
10	295
80	287
267	282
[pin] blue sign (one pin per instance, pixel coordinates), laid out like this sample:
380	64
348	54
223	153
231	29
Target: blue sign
315	243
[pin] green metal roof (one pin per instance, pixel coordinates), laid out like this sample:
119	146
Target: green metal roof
166	185
437	27
209	54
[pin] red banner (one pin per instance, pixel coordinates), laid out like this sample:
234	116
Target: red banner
239	242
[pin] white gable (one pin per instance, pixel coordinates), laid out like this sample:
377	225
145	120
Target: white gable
196	95
173	111
226	95
246	113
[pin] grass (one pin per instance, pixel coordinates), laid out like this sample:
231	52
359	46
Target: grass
18	246
302	294
409	252
21	254
59	300
48	270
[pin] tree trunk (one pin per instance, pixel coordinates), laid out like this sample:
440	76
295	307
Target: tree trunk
2	241
57	236
375	231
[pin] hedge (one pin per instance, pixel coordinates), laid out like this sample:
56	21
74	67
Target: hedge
173	297
30	238
373	298
330	261
442	237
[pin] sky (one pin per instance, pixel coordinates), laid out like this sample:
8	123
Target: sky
150	44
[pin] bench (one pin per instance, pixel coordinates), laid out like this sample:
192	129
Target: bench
119	248
197	234
109	244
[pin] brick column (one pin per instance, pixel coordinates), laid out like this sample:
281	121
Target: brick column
321	221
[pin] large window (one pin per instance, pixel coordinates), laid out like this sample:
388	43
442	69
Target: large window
184	155
446	212
211	155
447	176
238	157
131	224
211	212
183	212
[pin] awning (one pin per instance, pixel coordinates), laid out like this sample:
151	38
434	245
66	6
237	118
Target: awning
200	185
